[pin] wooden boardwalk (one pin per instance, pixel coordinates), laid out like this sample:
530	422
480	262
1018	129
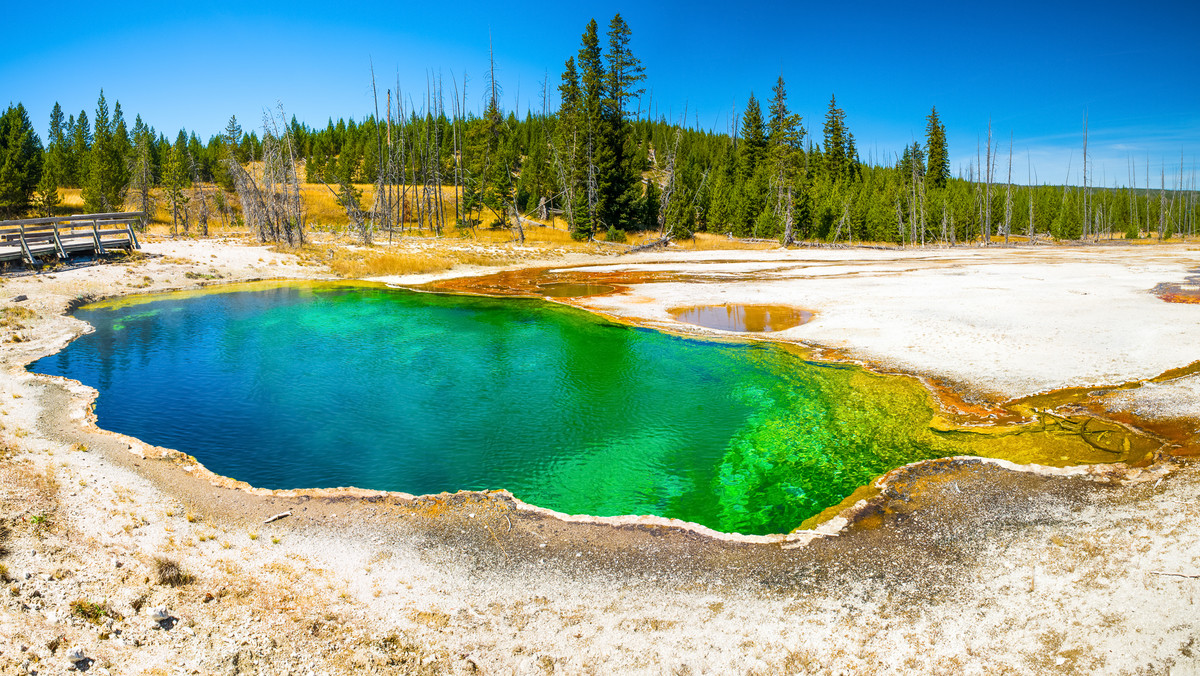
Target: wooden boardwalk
61	236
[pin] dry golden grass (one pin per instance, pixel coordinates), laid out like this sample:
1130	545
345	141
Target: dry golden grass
72	198
703	241
322	208
533	235
375	262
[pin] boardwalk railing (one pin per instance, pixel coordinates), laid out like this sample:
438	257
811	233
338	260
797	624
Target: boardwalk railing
60	236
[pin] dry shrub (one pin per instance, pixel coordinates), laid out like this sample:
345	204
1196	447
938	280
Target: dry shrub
13	316
94	612
170	573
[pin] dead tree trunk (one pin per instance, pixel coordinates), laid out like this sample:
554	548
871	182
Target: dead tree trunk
987	195
1008	193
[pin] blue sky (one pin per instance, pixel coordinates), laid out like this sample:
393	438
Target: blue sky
1032	68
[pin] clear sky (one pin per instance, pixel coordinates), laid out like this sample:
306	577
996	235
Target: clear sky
1032	68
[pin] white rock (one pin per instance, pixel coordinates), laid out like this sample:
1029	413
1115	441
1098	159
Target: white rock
75	654
159	614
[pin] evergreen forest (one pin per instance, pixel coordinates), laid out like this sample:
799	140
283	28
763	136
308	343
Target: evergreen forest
599	164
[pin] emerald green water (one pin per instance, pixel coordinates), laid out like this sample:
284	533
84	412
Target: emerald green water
322	385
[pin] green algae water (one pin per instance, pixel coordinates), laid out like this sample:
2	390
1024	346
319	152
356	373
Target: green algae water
321	385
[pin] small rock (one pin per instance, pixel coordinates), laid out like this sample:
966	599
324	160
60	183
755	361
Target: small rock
76	655
20	298
160	614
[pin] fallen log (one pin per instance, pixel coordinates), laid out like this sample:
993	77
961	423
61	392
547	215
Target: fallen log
662	241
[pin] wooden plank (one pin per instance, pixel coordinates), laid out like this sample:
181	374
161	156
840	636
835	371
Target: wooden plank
127	215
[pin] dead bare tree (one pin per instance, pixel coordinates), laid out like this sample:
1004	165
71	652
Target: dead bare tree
1083	233
1162	202
271	203
668	191
987	196
900	222
1029	179
1008	202
199	196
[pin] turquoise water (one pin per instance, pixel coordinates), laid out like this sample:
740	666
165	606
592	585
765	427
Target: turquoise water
323	385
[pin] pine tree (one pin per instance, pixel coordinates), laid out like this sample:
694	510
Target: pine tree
175	177
785	138
500	157
107	175
836	160
81	146
122	149
754	140
47	194
619	182
20	161
142	168
938	171
56	148
591	135
625	71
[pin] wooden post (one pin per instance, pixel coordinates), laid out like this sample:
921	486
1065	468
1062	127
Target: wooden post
25	247
62	253
96	238
133	242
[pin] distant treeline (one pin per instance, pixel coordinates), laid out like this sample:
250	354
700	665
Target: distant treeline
594	162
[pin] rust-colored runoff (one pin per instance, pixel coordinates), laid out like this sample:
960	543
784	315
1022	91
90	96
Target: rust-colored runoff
1187	291
574	290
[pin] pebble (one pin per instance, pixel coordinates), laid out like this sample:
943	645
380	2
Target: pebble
75	654
159	614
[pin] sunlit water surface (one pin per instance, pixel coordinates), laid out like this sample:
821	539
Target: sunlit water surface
323	385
